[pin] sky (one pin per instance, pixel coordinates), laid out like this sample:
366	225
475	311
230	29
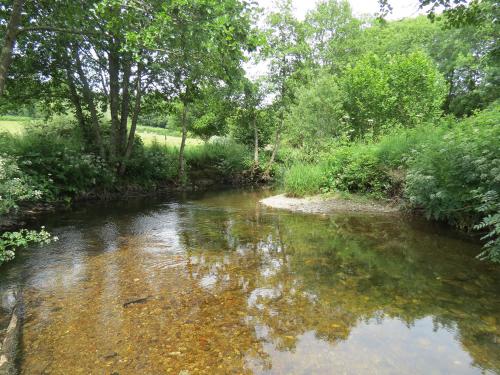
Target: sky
401	8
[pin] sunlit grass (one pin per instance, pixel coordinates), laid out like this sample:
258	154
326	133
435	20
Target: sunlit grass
155	135
304	179
12	126
149	135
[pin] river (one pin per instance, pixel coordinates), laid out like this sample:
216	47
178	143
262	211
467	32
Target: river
215	283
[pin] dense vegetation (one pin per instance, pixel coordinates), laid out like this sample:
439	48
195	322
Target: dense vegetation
406	110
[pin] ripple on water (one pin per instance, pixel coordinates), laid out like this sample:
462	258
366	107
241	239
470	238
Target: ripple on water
219	285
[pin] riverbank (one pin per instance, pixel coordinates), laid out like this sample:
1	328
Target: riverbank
326	204
29	212
448	171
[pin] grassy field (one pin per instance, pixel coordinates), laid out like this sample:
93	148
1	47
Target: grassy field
12	126
163	136
149	135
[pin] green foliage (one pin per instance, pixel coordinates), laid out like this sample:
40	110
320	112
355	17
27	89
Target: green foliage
317	113
491	223
457	178
54	158
403	90
15	185
356	168
152	165
224	158
49	161
332	33
11	241
450	171
466	56
304	179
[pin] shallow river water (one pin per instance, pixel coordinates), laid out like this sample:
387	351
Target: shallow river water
215	283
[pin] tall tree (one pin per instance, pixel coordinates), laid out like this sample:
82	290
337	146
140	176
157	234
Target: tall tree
79	53
199	43
9	41
331	32
284	53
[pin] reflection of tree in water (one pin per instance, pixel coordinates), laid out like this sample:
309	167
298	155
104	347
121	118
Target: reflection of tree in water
301	273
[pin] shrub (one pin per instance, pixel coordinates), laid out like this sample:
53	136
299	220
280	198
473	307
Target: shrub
356	168
225	157
456	178
11	241
403	90
152	164
304	179
394	148
317	113
15	186
54	158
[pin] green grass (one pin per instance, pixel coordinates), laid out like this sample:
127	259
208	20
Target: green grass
15	118
159	131
304	179
149	135
166	137
12	126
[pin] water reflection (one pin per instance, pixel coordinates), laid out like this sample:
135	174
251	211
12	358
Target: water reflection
219	284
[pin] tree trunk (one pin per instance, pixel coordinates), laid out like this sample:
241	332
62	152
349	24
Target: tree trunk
256	142
449	77
277	138
125	107
77	103
114	99
133	125
182	162
89	99
9	42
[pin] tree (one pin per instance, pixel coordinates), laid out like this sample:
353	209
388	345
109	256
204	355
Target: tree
85	61
200	43
285	54
9	41
331	32
465	56
249	122
317	114
402	90
211	109
456	13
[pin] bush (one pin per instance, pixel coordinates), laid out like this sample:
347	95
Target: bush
457	178
54	158
304	179
450	171
11	241
15	186
395	148
317	113
225	157
151	165
403	90
356	168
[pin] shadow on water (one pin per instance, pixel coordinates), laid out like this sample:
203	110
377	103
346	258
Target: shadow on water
216	283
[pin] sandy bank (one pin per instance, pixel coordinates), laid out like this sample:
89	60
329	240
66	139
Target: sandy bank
325	205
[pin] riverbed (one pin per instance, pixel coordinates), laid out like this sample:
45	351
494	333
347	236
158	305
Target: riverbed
216	283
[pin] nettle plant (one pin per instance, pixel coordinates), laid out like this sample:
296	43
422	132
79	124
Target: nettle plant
14	185
11	241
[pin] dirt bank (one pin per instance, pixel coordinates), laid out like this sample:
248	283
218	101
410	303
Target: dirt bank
324	205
